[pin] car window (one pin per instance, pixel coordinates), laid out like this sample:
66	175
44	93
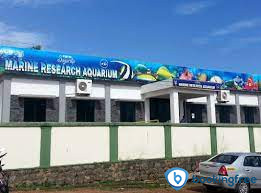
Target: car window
226	159
252	161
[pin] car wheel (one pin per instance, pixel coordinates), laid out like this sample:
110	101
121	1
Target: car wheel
210	188
4	189
243	188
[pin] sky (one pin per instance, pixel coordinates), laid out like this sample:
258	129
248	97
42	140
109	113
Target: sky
212	34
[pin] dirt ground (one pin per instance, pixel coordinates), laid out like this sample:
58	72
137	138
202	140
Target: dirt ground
189	188
186	189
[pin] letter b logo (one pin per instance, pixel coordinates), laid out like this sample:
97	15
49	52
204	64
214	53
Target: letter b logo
176	177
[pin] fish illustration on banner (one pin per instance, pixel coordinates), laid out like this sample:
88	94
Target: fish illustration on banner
44	63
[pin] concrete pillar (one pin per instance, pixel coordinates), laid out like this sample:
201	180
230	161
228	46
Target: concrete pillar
181	109
107	103
211	108
62	102
147	109
174	106
259	107
238	113
6	100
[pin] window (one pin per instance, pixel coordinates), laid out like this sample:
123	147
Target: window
226	159
252	161
85	111
224	114
34	110
127	112
249	114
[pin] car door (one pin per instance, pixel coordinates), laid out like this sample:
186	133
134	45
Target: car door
252	168
259	173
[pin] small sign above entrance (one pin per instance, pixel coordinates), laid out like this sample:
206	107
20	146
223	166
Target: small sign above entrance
197	84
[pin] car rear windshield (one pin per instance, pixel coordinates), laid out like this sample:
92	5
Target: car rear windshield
226	159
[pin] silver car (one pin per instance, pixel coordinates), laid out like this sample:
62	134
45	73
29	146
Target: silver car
237	171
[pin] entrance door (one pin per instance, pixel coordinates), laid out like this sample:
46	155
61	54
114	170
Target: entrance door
196	111
34	110
160	109
85	110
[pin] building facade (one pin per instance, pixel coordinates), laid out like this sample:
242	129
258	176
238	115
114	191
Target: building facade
40	86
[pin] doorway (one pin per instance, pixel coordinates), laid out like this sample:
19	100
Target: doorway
196	113
160	109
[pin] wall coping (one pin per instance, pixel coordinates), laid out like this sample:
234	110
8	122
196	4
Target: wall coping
99	124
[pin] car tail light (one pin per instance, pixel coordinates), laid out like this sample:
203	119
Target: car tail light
222	171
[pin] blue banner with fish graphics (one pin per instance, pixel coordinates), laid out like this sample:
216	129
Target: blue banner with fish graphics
54	64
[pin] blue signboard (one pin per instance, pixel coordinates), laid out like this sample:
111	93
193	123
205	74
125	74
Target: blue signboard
44	63
197	84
